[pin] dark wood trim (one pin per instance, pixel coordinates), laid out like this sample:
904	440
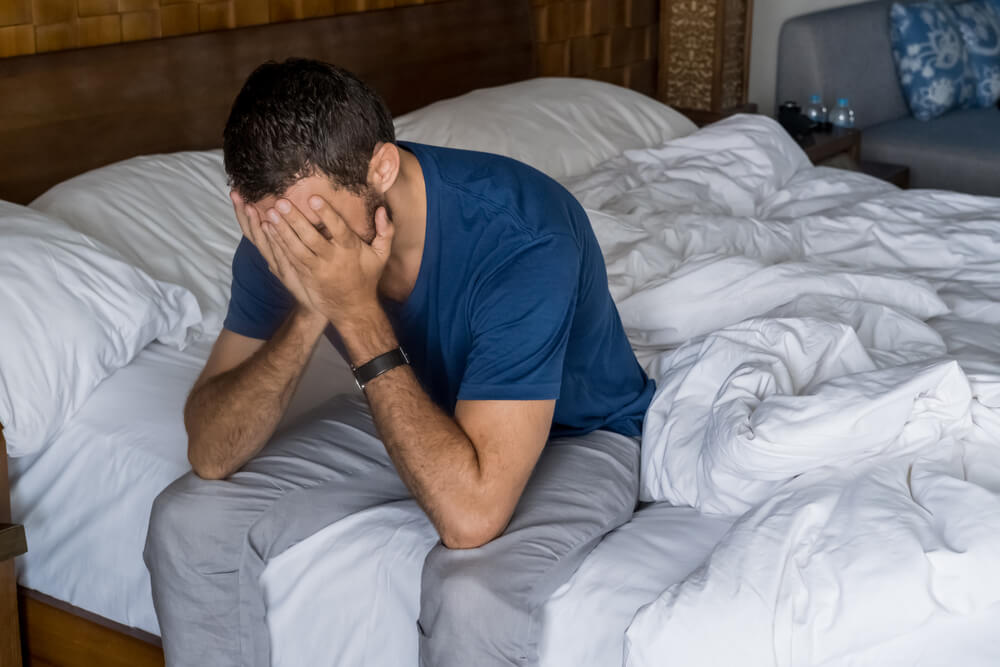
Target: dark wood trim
747	46
718	50
54	635
135	633
66	112
12	542
663	74
10	642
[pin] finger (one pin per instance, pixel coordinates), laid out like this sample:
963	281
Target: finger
340	233
239	207
304	229
259	239
384	233
285	268
282	234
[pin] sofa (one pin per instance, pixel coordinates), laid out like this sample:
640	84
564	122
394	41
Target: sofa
846	52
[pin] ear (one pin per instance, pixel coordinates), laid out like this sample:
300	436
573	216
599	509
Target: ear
384	167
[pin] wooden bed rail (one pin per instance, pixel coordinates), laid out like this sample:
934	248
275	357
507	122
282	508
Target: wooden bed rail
11	544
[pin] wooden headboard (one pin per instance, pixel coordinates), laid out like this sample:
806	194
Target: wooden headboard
66	112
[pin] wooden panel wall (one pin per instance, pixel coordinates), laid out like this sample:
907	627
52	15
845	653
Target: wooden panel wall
611	40
35	26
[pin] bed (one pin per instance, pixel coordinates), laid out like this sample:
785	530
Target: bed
820	469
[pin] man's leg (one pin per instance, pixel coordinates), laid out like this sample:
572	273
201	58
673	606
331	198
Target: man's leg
481	606
208	541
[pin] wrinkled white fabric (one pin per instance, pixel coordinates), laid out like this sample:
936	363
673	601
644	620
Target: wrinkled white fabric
828	377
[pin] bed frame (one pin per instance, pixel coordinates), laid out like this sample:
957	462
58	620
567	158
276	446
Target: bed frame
66	112
69	111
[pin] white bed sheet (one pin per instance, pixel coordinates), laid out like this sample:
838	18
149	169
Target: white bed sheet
128	442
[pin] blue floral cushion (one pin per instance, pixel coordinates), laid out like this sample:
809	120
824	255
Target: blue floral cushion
931	58
979	23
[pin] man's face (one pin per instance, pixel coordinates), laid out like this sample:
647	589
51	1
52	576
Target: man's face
357	210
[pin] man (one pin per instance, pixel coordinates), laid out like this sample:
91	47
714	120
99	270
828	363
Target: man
512	417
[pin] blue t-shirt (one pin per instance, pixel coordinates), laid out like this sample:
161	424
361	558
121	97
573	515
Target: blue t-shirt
511	301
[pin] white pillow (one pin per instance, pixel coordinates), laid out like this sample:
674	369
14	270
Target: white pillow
564	127
72	315
169	215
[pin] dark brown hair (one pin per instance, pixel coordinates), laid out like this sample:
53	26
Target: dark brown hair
301	118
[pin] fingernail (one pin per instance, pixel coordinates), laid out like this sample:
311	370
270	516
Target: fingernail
284	206
249	210
271	213
315	202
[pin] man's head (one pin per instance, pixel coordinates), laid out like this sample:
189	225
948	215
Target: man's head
303	127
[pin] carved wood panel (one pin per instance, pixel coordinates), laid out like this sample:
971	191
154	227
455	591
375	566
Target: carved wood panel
703	53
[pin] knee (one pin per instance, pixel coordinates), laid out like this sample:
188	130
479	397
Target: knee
459	593
181	519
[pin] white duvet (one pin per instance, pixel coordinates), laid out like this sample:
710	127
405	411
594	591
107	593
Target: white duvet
784	311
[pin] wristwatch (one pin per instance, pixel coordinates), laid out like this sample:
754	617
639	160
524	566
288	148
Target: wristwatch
383	363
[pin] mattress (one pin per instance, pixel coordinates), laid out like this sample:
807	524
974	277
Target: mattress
86	550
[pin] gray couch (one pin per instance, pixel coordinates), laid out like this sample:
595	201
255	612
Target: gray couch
845	52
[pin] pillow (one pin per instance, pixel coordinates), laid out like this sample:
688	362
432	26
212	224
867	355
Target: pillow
170	215
931	58
564	127
73	315
979	23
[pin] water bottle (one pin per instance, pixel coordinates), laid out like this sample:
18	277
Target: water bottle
843	115
815	110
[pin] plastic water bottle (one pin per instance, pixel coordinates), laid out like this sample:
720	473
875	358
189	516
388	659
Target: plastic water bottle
815	110
843	115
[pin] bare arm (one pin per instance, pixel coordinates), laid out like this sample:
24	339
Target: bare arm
247	383
467	473
243	392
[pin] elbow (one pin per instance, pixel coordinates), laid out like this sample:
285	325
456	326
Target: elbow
201	464
472	530
202	468
206	471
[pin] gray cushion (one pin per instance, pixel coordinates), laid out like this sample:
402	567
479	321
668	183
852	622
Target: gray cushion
958	151
842	52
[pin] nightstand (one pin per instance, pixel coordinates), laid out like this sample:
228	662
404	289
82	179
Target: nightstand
12	544
701	118
841	148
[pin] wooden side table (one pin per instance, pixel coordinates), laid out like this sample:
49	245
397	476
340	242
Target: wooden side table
821	146
841	148
12	543
702	118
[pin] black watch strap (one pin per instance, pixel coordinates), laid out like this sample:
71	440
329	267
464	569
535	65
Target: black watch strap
383	363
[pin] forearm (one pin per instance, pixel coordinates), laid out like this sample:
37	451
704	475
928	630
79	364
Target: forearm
230	417
431	452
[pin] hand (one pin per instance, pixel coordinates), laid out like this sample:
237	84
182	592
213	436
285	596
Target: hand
340	273
250	223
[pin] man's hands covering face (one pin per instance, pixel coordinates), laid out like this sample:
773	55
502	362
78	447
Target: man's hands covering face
336	276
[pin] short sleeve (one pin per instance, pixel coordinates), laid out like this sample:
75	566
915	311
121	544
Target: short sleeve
258	302
521	314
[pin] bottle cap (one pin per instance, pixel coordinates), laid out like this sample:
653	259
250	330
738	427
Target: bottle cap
842	102
815	99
